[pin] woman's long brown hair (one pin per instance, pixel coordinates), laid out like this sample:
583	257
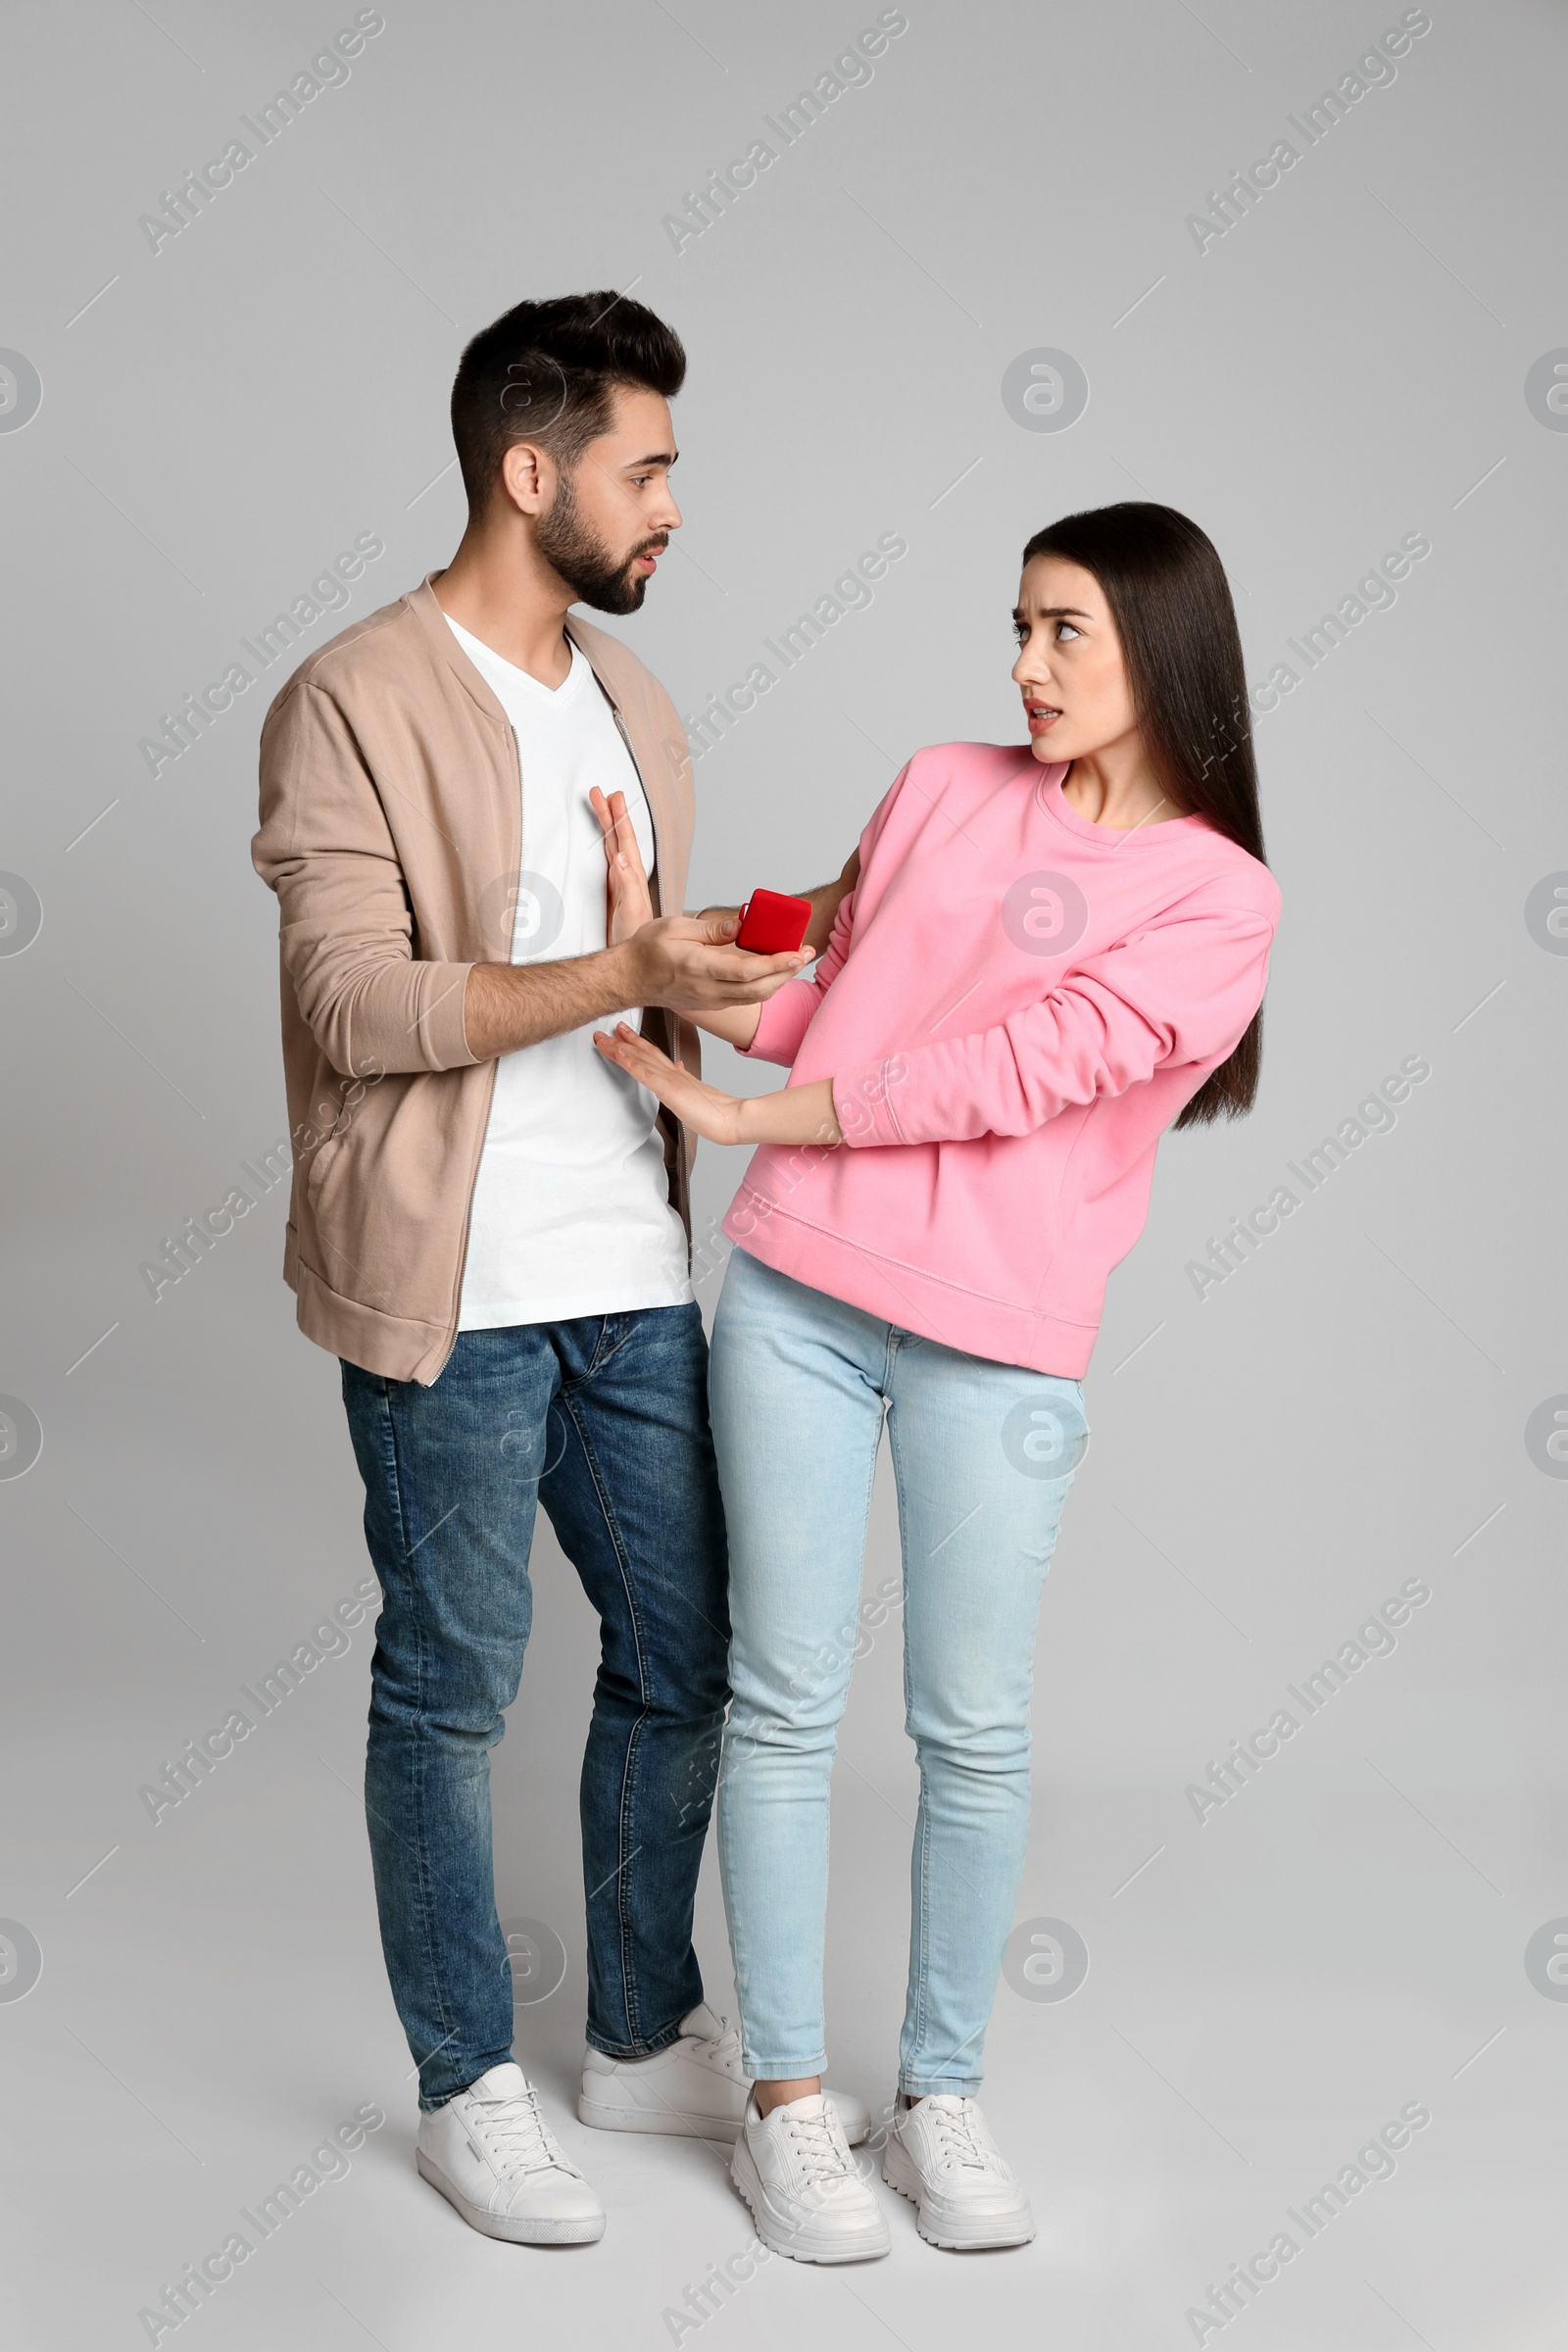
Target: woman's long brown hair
1171	604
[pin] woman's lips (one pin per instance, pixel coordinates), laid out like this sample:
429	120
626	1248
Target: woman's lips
1042	720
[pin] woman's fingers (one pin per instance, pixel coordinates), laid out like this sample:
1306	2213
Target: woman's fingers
642	1047
634	1052
654	1071
644	1061
701	1106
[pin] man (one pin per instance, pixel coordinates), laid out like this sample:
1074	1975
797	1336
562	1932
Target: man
490	1228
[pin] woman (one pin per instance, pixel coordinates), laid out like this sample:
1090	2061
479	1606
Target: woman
1049	958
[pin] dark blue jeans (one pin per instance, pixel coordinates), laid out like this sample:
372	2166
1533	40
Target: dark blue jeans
604	1419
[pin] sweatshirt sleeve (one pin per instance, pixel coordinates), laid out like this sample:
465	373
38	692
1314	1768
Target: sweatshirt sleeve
1180	991
326	848
787	1013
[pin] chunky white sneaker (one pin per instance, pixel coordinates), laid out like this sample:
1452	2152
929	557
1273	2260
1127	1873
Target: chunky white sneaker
794	2168
490	2151
941	2157
698	2086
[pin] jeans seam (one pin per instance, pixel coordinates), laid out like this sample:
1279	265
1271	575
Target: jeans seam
923	1971
920	1909
422	1881
626	1809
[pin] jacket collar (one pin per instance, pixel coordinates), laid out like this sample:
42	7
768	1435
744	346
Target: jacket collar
625	686
611	664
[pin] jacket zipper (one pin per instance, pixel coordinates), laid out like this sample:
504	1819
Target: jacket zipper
674	1034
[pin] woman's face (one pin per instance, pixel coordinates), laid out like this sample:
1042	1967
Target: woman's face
1069	670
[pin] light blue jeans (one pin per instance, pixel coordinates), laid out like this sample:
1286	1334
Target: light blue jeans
983	1454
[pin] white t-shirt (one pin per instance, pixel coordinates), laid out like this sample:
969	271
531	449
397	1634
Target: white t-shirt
571	1212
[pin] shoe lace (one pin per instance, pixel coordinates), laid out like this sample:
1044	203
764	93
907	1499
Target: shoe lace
821	2155
515	2134
958	2136
724	2051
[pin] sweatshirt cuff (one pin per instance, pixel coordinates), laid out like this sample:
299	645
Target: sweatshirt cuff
438	1024
786	1016
863	1101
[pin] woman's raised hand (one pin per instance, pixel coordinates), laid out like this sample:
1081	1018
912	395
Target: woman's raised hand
628	901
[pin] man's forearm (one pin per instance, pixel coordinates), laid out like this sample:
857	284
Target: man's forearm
671	962
509	1005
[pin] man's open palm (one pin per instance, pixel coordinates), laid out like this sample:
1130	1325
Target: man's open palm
628	901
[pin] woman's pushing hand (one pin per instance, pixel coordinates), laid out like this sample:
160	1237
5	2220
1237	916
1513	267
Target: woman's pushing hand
796	1115
698	1106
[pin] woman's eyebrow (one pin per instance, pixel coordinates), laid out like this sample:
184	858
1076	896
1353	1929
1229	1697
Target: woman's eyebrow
1053	613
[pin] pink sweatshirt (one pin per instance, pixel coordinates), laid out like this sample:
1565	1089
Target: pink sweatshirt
1013	1007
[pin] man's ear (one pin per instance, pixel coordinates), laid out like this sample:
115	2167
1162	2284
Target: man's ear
528	477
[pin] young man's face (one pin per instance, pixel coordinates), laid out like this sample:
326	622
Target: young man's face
612	513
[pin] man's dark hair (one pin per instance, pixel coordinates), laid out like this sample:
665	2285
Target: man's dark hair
547	372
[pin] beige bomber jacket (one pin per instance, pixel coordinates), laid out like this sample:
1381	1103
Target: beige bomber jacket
391	833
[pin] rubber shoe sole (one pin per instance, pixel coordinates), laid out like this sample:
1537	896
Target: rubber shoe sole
672	2121
795	2238
517	2229
958	2235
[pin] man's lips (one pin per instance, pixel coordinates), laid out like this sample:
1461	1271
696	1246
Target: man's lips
648	561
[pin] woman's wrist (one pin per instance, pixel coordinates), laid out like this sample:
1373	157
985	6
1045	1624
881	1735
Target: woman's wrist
796	1115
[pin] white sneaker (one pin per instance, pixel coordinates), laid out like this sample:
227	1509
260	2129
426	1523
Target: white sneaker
699	2086
794	2168
490	2151
941	2157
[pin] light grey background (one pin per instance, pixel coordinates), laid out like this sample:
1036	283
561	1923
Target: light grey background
1346	365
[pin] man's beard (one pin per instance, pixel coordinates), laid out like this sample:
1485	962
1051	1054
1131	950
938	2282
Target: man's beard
585	563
